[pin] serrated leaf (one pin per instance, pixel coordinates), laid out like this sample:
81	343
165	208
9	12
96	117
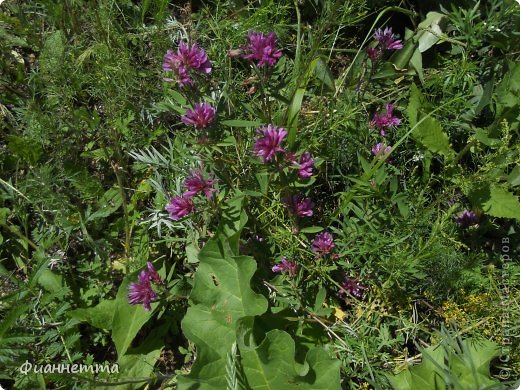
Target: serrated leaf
514	177
496	201
428	132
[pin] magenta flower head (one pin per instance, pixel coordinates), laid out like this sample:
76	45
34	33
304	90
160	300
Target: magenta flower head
297	205
187	58
381	150
323	243
466	218
262	49
153	276
201	116
141	291
387	39
286	266
373	53
385	120
172	63
270	143
198	183
351	286
180	206
305	165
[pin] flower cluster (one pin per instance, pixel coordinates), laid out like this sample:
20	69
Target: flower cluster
141	291
184	60
385	120
351	286
270	142
298	205
262	49
304	165
286	266
466	218
381	150
386	40
180	206
201	116
323	244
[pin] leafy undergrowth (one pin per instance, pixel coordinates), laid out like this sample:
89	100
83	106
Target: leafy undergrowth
230	195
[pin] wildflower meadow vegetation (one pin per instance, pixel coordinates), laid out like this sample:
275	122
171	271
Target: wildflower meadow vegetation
229	194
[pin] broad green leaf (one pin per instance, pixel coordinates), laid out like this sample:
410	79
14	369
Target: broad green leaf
430	30
416	64
482	135
442	366
109	203
472	367
271	365
311	229
52	282
324	74
241	123
429	132
514	177
27	149
293	111
100	316
139	362
221	296
401	58
128	320
175	95
496	201
4	214
192	253
508	93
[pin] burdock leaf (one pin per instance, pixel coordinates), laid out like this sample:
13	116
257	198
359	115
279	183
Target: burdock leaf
271	365
221	296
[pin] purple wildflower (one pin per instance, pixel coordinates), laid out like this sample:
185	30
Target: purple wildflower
286	265
173	64
386	119
197	183
153	276
305	165
201	116
323	243
262	48
297	205
381	150
466	218
373	53
387	39
186	59
266	146
180	206
141	291
352	287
